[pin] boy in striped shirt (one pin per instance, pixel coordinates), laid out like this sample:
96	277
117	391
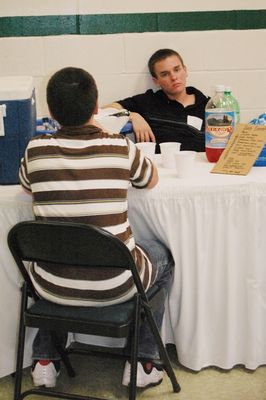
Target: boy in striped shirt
82	174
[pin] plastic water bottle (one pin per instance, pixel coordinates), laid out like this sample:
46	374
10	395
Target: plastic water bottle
233	101
219	124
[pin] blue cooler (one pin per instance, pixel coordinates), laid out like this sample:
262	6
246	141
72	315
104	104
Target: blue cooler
17	123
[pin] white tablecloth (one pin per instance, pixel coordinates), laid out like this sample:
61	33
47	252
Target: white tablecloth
215	226
15	206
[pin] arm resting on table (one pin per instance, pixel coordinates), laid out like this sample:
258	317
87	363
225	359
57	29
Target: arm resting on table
141	128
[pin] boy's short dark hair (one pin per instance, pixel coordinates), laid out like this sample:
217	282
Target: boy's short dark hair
71	96
160	55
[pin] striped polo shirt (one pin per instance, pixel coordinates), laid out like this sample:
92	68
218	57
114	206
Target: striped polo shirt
82	174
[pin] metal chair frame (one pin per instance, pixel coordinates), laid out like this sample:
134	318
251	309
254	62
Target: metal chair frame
81	245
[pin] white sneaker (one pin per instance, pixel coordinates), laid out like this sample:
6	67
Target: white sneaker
146	376
44	373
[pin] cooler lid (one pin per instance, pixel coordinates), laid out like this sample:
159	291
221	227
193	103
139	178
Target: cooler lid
16	87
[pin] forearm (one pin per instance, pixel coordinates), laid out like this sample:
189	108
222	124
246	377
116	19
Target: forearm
113	105
154	179
142	129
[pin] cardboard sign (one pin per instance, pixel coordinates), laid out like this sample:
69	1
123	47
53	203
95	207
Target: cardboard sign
242	150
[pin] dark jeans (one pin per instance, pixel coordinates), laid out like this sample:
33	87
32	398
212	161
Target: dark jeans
162	260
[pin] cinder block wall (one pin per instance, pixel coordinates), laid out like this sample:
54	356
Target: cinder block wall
114	43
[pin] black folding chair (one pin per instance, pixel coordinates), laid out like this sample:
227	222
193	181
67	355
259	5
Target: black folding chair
83	246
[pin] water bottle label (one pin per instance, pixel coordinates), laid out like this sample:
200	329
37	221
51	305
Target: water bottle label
219	126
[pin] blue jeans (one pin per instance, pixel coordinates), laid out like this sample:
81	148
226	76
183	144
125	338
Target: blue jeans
161	258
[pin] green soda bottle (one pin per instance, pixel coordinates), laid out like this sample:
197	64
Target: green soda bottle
233	101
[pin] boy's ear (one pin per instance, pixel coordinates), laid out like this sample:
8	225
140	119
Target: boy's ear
155	80
96	109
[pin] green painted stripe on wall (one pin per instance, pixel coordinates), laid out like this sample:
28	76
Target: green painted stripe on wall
212	20
39	26
189	21
118	23
125	23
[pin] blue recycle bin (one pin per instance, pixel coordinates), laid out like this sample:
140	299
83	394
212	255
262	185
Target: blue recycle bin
128	131
46	125
261	160
49	125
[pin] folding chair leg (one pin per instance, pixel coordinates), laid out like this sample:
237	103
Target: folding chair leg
169	370
134	350
21	344
162	350
63	354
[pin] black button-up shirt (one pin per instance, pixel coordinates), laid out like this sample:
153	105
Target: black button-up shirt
169	118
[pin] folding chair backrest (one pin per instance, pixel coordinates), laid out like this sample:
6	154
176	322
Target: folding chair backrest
69	244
